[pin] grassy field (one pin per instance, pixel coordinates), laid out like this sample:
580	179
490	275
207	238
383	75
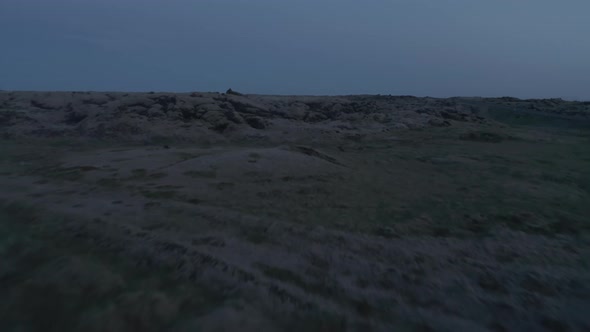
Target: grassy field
473	227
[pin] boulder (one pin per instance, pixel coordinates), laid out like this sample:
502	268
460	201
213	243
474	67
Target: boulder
156	112
217	120
256	122
232	92
438	122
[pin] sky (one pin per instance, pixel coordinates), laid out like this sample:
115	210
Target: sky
439	48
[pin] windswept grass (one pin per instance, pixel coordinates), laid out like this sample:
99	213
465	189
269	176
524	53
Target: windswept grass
53	282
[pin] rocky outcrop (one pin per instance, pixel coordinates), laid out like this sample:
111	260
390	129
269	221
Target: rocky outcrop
140	115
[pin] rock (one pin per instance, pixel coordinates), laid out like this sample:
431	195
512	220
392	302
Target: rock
137	101
74	117
174	115
245	105
214	117
256	122
195	100
353	117
414	123
381	118
48	103
98	100
232	92
165	102
217	120
156	107
234	117
437	122
156	112
296	111
188	113
137	110
209	107
314	117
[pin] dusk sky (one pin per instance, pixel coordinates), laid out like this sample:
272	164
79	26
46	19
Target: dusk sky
525	48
